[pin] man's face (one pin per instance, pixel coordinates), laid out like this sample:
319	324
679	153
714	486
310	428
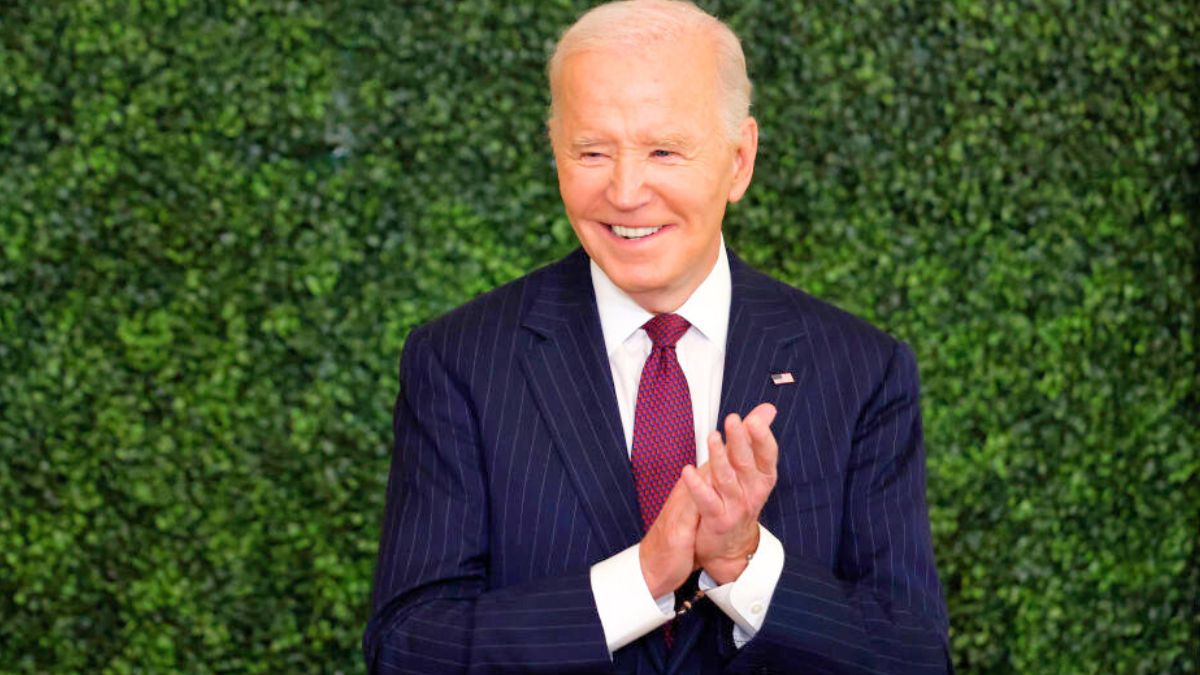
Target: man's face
646	167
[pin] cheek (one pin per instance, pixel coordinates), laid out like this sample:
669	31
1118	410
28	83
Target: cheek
691	194
579	188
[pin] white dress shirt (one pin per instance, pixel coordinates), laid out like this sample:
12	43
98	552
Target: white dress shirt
627	610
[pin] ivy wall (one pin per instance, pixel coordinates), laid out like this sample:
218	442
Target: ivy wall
219	221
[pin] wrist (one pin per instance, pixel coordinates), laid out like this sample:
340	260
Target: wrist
728	567
658	584
726	570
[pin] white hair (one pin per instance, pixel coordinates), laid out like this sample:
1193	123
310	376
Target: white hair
630	25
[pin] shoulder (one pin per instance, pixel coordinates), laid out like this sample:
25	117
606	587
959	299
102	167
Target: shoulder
495	316
821	319
841	348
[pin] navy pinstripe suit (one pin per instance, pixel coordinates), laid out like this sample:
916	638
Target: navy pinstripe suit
510	478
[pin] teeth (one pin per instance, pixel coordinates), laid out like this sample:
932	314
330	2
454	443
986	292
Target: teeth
634	232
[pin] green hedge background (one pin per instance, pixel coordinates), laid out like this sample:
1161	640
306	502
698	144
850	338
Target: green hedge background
219	220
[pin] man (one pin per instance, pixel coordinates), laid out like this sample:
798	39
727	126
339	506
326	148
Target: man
545	509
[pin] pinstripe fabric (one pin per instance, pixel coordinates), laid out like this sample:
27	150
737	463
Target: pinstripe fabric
510	478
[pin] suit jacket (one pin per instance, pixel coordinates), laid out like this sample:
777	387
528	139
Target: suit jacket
510	478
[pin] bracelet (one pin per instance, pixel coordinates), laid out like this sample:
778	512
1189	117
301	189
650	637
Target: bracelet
686	606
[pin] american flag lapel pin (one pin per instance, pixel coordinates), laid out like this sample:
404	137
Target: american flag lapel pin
782	378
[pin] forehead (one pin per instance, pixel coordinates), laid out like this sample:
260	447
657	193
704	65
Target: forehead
667	87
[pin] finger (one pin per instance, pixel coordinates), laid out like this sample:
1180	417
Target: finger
764	412
741	455
679	506
725	476
687	515
707	501
766	449
676	523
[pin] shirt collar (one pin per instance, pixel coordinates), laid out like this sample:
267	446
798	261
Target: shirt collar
707	309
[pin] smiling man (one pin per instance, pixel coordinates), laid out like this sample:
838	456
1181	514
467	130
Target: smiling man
573	488
646	162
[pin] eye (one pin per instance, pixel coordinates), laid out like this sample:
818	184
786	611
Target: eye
591	156
662	154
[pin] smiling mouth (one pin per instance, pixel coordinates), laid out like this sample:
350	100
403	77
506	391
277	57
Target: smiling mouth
633	232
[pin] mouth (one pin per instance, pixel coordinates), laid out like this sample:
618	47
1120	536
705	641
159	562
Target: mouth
633	233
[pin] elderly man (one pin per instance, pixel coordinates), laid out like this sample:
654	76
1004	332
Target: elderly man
545	511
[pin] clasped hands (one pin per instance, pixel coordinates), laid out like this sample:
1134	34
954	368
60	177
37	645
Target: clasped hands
710	519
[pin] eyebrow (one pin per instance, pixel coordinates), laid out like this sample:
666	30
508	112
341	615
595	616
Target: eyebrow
587	142
671	141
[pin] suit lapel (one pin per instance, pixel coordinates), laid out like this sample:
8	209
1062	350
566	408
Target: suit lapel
571	380
763	330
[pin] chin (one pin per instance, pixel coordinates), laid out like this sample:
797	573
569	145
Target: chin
634	284
648	285
632	278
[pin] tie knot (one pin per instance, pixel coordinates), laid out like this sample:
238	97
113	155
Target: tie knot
666	329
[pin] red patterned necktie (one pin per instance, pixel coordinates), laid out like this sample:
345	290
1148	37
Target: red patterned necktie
664	437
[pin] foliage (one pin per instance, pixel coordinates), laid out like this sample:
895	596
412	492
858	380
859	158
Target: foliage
218	222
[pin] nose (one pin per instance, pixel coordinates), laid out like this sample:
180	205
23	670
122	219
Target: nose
627	190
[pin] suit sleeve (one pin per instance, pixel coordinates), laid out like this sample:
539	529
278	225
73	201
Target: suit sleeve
433	611
881	610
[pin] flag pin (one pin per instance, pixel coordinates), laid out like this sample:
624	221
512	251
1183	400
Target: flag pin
782	378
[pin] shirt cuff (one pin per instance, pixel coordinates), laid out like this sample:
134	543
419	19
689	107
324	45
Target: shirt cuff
627	610
747	598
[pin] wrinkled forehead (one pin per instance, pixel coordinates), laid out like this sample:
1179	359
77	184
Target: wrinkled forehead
647	93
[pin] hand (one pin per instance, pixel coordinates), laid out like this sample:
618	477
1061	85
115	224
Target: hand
741	474
667	552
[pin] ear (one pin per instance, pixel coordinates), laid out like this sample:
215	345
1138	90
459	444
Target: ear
743	159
